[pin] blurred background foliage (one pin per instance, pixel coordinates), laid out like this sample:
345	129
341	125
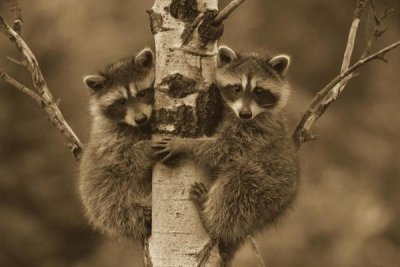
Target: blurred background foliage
347	213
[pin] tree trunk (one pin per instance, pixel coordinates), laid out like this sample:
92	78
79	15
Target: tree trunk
186	105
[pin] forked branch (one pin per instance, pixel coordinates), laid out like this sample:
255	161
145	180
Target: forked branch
332	90
22	88
42	96
322	100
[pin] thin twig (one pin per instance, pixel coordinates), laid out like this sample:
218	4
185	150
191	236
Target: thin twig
50	106
15	61
146	253
320	102
351	40
32	64
224	14
204	254
352	35
17	13
330	92
359	10
8	79
256	251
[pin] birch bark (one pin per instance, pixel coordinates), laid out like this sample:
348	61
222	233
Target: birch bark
186	105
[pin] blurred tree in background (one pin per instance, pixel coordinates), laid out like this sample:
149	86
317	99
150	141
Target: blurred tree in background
348	212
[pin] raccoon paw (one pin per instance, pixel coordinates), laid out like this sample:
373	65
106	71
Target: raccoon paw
167	148
198	194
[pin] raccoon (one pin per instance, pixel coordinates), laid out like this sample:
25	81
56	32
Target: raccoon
116	167
252	158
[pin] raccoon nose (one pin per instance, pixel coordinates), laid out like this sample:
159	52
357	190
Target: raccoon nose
245	114
140	119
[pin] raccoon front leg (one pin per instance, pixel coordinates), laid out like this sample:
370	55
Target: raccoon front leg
209	150
199	196
236	206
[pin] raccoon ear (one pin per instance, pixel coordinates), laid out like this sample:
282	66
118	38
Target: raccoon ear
94	82
280	63
225	56
145	58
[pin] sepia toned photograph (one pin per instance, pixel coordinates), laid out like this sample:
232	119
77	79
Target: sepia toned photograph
199	133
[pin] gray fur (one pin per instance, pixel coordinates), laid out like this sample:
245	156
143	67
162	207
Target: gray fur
115	171
255	167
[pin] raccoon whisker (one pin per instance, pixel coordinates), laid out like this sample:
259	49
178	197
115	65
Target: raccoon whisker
267	105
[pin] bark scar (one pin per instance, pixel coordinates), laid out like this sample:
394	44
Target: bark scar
156	22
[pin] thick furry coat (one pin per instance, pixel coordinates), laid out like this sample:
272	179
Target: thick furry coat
253	160
115	171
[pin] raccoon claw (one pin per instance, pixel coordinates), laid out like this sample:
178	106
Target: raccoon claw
167	157
162	143
160	152
198	193
167	154
159	145
167	148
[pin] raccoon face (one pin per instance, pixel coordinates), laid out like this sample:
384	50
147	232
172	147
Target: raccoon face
124	92
252	85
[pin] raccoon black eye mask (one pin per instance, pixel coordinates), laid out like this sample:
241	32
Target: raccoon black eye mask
254	159
115	170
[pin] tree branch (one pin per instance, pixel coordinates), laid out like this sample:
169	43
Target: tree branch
8	79
146	253
224	13
46	98
352	35
331	91
21	63
322	100
358	11
256	251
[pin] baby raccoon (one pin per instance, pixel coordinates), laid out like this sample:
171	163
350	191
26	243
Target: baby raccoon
115	171
252	157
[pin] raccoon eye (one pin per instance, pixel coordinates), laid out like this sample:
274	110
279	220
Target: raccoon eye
142	93
121	101
237	88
